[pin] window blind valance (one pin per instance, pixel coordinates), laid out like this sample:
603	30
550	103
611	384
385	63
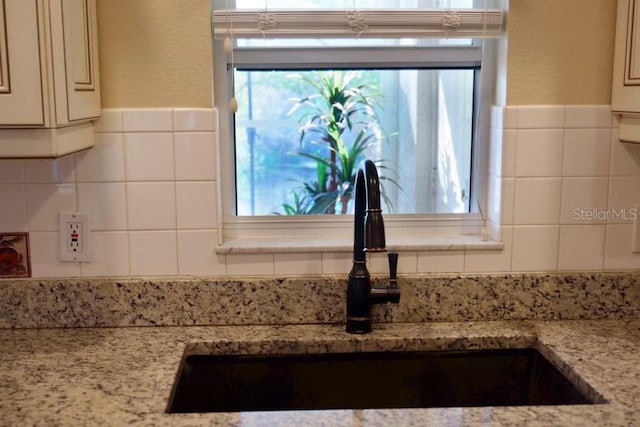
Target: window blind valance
365	23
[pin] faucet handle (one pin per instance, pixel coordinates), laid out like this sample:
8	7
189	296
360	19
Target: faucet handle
393	266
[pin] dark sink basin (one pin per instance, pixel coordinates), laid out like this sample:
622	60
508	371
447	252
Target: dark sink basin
369	380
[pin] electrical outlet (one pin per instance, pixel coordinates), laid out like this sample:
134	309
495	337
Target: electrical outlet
75	237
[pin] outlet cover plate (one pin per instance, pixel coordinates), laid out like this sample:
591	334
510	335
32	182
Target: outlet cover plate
74	237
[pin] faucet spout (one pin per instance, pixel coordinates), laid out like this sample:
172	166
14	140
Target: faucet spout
369	236
368	223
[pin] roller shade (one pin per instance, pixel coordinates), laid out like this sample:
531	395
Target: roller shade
366	23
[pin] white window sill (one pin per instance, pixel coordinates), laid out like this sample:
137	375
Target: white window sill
398	244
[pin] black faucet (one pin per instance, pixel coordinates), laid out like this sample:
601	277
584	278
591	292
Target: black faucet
368	237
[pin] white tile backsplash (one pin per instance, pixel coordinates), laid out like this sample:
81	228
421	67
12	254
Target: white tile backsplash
441	262
535	248
153	253
508	200
378	263
196	205
586	152
195	156
407	263
336	263
537	201
509	151
13	215
44	257
250	265
147	120
541	117
581	247
11	171
109	254
625	157
194	120
493	261
539	152
44	201
197	253
588	116
149	156
151	205
617	254
150	182
584	200
106	204
298	264
39	171
110	121
104	162
624	194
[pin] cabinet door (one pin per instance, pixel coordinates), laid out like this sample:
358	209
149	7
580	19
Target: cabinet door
81	59
21	95
626	69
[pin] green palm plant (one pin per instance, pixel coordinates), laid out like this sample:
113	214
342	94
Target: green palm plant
340	117
342	164
314	198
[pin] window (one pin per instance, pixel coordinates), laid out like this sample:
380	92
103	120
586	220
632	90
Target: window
315	103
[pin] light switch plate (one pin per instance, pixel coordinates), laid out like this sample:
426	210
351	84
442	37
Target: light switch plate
75	237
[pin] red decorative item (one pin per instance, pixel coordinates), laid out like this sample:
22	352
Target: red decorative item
14	255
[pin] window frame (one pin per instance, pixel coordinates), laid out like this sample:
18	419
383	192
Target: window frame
331	234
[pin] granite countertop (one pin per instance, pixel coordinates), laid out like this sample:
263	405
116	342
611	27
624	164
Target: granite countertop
116	376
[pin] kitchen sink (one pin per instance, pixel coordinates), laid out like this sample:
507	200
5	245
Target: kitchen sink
368	380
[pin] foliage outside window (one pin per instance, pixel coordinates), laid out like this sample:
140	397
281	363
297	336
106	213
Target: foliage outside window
310	110
300	136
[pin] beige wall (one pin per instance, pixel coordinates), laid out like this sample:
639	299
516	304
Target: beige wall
560	51
157	53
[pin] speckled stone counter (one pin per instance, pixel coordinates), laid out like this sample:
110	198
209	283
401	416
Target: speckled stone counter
106	351
120	376
299	300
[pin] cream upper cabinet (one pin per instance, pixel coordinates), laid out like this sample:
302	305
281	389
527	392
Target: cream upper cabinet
49	82
21	94
625	98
